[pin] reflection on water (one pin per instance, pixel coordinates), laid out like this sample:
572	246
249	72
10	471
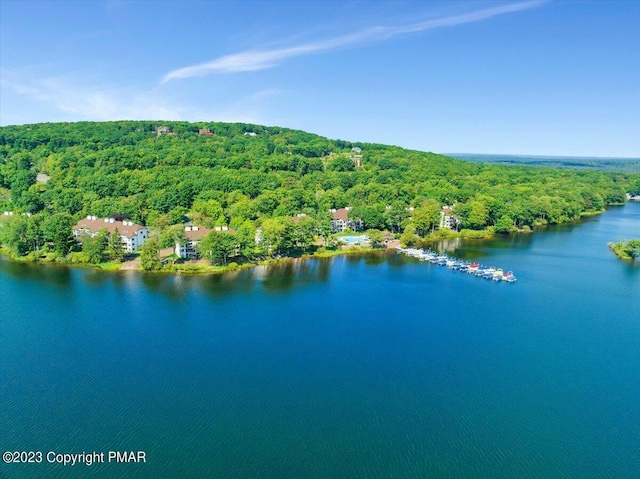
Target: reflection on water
287	275
394	368
49	274
224	284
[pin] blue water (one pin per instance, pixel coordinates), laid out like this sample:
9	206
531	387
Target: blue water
370	366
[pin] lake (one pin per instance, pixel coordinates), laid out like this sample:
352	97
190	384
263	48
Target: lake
358	366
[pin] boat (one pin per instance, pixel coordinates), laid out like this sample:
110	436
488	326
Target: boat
491	273
473	267
482	272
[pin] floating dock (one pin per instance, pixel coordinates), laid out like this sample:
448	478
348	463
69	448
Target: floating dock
489	273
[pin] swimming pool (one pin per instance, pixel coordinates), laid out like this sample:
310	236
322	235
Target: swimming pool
361	239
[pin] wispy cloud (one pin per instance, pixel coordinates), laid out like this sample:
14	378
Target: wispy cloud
86	100
255	60
75	97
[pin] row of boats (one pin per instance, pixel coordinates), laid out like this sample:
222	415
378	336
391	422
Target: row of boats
490	273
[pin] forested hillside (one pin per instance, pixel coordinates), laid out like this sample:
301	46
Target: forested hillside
232	174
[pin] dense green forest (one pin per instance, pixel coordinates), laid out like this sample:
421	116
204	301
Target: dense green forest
249	176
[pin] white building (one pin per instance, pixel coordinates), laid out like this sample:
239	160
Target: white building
133	236
447	220
340	221
193	235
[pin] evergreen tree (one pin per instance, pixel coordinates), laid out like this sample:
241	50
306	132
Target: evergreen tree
150	255
115	246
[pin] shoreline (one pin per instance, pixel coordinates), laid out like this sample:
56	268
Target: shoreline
201	268
191	268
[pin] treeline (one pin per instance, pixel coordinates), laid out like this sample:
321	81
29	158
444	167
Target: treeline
239	174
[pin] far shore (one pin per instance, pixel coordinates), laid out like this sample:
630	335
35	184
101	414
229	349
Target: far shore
207	267
198	266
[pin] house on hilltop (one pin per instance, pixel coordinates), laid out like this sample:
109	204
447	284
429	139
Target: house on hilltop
132	235
163	130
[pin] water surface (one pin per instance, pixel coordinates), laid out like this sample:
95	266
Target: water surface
371	366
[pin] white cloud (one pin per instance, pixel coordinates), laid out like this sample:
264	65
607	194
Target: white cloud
263	59
87	101
81	99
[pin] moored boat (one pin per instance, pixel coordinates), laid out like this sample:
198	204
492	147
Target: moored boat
473	267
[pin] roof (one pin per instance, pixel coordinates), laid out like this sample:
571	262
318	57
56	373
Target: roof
196	235
447	210
341	214
93	226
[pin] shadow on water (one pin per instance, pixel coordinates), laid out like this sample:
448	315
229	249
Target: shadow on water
276	278
283	277
220	285
52	275
171	286
374	259
475	249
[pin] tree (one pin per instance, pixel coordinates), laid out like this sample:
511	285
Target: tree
218	245
171	235
150	255
504	225
396	215
304	231
633	248
324	230
13	233
274	236
375	237
341	164
57	228
246	238
33	233
426	217
473	215
21	182
115	246
409	236
95	246
205	212
371	215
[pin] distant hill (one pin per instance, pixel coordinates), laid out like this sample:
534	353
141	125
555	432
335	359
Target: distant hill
625	165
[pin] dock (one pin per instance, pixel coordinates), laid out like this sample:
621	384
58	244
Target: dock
491	273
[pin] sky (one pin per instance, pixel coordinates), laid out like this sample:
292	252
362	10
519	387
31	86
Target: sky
511	77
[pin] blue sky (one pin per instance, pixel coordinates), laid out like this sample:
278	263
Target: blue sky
521	77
